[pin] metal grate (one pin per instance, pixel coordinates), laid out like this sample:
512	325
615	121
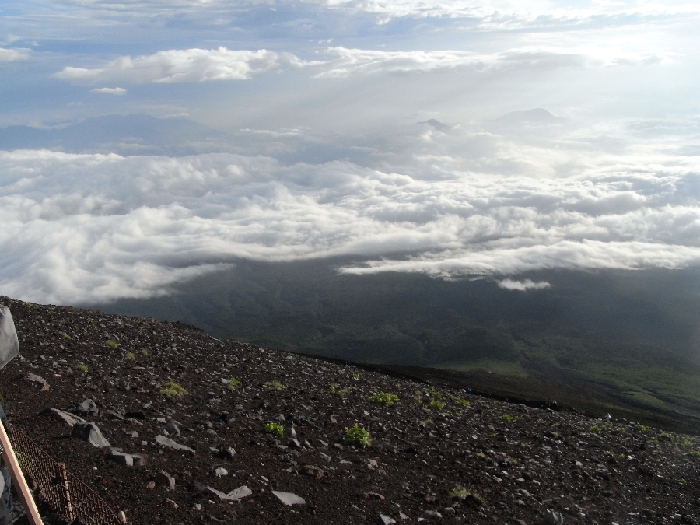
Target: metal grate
69	497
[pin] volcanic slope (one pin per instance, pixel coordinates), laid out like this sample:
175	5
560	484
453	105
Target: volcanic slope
435	454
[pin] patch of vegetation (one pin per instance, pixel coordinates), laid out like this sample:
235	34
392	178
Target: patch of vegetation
130	356
274	385
172	389
112	343
337	391
436	404
694	454
642	428
595	429
82	367
145	352
480	455
233	383
508	418
274	428
463	493
66	336
425	423
357	437
460	401
356	376
384	398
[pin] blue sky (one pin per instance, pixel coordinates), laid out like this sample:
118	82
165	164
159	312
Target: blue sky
359	127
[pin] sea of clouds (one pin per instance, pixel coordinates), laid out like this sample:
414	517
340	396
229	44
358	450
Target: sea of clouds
94	227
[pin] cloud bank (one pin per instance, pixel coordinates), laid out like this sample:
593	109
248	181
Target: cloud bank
12	55
188	65
523	286
81	228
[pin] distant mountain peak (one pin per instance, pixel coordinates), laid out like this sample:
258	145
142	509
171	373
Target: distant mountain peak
535	116
444	128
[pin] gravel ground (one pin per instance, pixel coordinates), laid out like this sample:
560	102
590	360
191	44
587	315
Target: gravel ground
433	454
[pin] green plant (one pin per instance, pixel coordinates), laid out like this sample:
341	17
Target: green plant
337	391
383	398
665	436
275	385
274	428
480	455
356	376
594	429
436	403
460	401
66	336
112	343
642	428
145	352
467	494
233	383
172	389
695	454
425	422
82	367
357	437
129	355
507	418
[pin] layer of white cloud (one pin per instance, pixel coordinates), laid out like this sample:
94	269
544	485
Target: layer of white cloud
13	55
110	91
80	228
523	286
187	65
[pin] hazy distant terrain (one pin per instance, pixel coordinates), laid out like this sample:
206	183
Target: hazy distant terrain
633	331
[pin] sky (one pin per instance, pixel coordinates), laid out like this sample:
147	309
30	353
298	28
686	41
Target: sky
451	138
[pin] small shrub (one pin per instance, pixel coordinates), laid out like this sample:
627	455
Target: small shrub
665	436
356	377
66	336
357	437
82	367
130	356
145	352
480	455
233	383
337	391
425	422
112	343
275	429
507	418
594	429
274	385
384	398
642	428
460	401
695	454
465	494
172	389
436	404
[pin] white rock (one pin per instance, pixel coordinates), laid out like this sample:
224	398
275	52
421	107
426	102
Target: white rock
289	498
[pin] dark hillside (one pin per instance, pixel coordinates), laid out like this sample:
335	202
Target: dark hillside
433	451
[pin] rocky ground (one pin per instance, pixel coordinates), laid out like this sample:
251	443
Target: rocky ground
432	454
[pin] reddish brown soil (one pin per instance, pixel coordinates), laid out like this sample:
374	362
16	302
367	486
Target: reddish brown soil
515	460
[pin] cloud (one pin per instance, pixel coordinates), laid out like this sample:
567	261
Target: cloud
110	91
523	286
88	227
189	65
349	62
13	55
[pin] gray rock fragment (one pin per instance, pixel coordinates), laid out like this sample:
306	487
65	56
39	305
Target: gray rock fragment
165	480
289	498
169	443
87	408
386	520
172	429
91	433
130	460
9	343
68	418
33	378
220	472
234	495
551	517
